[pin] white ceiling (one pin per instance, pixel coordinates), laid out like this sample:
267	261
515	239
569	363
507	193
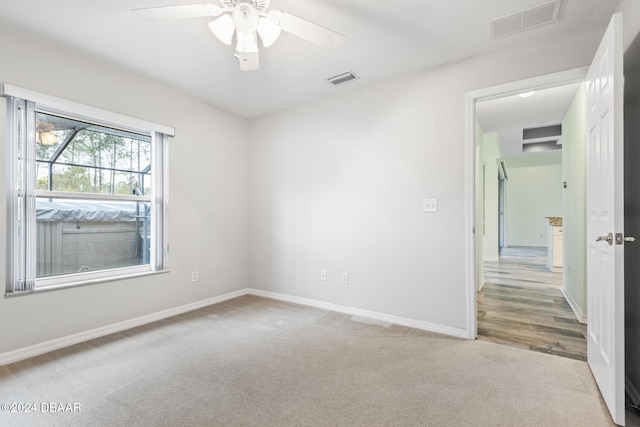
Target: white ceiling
507	116
383	39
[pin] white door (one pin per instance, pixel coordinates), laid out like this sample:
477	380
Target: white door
605	218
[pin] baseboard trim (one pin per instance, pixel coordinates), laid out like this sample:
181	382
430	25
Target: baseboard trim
526	246
574	306
632	391
55	344
417	324
58	343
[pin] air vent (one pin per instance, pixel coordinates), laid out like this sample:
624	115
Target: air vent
542	14
536	147
531	17
342	78
542	132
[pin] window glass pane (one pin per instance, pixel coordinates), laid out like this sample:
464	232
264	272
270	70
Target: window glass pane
82	157
86	236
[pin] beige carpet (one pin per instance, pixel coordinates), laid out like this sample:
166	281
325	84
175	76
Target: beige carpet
258	362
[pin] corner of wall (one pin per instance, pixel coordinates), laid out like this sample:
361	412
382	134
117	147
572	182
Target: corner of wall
574	204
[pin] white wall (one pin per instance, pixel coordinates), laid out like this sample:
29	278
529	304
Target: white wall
208	195
491	154
337	184
574	146
533	192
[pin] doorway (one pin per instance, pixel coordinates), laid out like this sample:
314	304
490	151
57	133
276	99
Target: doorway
604	128
522	302
539	83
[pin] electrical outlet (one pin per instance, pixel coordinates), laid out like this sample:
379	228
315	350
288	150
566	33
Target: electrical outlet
430	205
194	276
344	278
323	275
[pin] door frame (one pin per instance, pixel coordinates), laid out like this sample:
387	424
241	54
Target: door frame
502	191
576	75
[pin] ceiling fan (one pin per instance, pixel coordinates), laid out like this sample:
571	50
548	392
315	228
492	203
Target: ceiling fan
248	21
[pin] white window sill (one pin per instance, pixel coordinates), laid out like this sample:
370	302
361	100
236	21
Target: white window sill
76	284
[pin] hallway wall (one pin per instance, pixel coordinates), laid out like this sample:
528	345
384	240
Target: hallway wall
490	156
533	192
574	146
479	205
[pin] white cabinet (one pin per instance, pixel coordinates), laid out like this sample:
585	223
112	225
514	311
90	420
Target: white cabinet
557	247
554	243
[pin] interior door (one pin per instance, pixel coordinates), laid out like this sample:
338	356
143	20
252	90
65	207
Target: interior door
605	218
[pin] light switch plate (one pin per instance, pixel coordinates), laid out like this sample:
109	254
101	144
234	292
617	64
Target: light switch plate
430	205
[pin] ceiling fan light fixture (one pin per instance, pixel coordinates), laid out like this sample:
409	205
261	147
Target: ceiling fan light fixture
47	138
245	17
268	31
247	21
246	42
223	28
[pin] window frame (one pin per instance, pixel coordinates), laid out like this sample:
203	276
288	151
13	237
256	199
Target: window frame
22	105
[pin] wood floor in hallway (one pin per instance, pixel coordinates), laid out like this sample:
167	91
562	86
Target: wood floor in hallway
521	305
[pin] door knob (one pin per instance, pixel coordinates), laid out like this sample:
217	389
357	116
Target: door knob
620	239
608	238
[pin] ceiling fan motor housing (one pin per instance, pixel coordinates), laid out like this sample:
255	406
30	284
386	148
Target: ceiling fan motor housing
260	5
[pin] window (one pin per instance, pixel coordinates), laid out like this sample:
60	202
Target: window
87	193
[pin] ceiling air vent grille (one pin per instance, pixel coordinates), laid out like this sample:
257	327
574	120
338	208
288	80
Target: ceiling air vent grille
537	147
531	17
542	132
342	78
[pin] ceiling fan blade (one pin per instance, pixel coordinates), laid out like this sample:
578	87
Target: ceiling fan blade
248	61
307	30
183	11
